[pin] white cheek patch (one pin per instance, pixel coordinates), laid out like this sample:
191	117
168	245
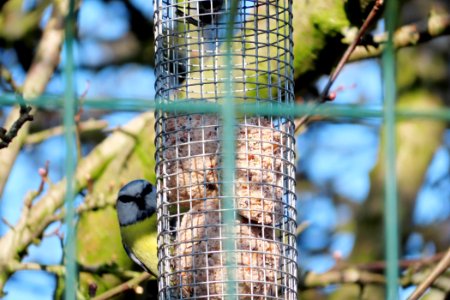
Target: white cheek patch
150	202
128	213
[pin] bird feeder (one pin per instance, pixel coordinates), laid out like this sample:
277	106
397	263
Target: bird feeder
201	47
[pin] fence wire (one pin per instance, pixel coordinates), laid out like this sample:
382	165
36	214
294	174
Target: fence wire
391	226
71	276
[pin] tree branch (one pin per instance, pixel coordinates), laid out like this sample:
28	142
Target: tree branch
86	126
6	136
47	54
325	95
130	284
358	274
35	219
15	266
406	36
86	206
367	273
8	155
60	270
378	266
354	276
44	64
351	275
440	268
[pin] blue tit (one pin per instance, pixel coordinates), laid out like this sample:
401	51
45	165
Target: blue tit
136	210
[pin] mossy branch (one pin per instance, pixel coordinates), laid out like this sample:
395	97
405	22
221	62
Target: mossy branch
35	219
406	36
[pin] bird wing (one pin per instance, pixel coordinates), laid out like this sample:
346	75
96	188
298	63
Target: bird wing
136	260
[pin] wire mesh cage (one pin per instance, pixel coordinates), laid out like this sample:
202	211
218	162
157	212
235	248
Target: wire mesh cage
195	57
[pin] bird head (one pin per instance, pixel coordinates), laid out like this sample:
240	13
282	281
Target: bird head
136	201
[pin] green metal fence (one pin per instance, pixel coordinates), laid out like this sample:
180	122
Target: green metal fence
388	114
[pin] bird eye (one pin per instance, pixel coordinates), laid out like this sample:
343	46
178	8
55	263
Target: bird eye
147	189
126	199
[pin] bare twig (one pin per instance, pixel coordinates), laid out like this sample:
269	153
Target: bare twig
367	23
56	232
403	264
440	268
130	284
86	206
406	36
7	76
77	119
32	195
351	275
6	222
370	273
6	136
43	172
302	227
325	95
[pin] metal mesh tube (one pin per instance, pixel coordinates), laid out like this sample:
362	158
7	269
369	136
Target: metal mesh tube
191	65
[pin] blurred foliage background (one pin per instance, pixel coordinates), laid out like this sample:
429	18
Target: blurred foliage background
340	160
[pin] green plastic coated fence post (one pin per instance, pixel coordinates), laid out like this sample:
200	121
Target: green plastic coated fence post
228	113
276	109
390	206
70	160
